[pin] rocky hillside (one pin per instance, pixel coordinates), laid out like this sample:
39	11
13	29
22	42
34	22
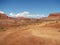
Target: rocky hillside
3	16
54	15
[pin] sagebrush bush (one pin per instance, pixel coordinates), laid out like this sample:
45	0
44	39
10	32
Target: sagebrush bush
2	29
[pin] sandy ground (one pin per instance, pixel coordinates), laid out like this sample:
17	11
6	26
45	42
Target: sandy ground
30	35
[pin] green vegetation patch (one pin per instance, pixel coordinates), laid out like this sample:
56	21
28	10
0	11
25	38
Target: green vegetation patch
3	29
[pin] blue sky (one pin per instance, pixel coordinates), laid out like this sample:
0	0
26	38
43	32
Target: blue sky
32	6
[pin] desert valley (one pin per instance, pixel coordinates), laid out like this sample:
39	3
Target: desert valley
30	31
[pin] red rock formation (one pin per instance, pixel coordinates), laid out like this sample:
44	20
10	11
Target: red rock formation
3	16
54	15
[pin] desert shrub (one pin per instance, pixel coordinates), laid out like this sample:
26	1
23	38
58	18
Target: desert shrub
56	21
2	29
58	30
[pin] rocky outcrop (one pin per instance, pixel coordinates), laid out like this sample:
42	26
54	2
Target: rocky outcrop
54	15
3	16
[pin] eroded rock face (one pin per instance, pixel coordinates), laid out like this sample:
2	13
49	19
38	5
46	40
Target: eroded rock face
3	16
6	21
54	15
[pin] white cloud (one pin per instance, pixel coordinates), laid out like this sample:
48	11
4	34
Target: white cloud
12	15
22	14
1	12
27	14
